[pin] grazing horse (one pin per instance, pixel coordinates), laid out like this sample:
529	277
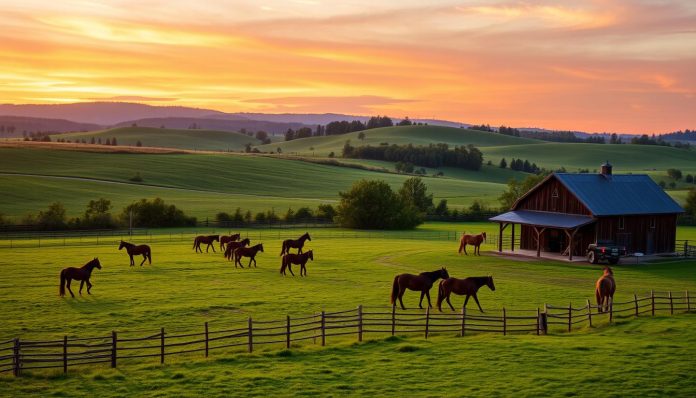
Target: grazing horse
247	252
300	259
604	290
232	246
134	250
79	274
208	240
468	287
225	239
474	240
421	282
295	244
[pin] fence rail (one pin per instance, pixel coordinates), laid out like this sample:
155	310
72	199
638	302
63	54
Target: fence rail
17	355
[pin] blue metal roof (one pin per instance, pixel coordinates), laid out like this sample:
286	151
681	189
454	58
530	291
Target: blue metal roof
543	219
619	194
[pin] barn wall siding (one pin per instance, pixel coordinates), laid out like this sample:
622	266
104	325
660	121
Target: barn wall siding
542	199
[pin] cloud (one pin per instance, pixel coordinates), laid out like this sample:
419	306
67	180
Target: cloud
363	104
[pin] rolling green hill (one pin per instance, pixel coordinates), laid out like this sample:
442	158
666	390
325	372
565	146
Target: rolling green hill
402	135
169	138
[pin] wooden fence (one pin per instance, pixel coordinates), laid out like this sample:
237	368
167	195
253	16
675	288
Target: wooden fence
115	348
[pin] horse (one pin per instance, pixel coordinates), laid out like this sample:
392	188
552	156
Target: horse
232	246
79	274
208	240
295	243
247	252
474	240
300	259
422	282
225	239
604	290
134	250
468	286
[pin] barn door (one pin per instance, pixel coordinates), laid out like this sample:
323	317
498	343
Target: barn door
650	243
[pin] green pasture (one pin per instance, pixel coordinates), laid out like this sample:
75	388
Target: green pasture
181	290
206	140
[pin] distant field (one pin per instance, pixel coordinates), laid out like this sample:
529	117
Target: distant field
169	138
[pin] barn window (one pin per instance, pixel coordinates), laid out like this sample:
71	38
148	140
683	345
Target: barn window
652	222
555	193
622	223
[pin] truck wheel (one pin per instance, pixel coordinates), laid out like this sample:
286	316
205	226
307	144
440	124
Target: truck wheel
613	261
591	258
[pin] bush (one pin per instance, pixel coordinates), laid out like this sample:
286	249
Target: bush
372	204
53	218
98	214
136	178
303	214
326	211
156	214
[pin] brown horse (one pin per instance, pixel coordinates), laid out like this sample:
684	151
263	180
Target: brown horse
247	252
474	240
225	239
422	282
468	287
604	290
208	240
295	244
79	274
232	246
300	259
134	250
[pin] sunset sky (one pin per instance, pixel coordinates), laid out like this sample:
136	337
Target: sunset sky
620	66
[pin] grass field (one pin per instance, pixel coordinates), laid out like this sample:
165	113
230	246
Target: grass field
181	290
169	138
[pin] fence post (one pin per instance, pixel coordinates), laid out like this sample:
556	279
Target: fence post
652	302
504	322
688	302
161	345
113	348
538	321
589	312
323	328
393	319
570	316
16	360
545	321
427	321
206	339
611	309
65	354
635	301
671	304
360	322
463	320
686	248
287	331
250	335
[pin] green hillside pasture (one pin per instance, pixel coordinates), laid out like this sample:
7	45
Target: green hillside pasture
402	135
205	140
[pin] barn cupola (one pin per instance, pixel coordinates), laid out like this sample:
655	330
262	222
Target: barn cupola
606	169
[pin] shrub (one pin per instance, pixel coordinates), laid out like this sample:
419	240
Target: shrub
156	214
371	204
98	214
326	211
136	178
53	218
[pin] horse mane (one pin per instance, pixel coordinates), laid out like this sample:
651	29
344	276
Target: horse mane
127	244
431	274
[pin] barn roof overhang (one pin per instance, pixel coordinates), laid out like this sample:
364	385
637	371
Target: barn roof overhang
543	219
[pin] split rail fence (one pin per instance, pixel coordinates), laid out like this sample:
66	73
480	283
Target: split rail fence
115	348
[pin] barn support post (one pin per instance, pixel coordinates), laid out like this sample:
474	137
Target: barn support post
538	233
500	237
589	312
512	239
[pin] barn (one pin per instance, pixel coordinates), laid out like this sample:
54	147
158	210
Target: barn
566	212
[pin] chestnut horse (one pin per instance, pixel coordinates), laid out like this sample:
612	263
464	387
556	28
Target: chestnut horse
422	282
468	286
225	239
295	244
300	259
247	252
474	240
79	274
208	240
232	246
604	290
134	250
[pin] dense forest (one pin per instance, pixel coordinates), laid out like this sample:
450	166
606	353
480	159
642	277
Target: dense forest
434	155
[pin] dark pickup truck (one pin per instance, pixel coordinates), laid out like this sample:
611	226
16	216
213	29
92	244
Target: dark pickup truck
605	250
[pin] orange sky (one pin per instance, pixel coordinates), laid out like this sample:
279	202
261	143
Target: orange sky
594	65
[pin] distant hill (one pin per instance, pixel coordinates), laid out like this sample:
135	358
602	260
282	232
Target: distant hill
16	126
214	124
208	140
325	118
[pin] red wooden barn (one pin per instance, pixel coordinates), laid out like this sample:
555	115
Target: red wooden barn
566	212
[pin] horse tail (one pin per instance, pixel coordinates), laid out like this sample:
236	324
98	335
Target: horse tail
395	290
282	251
62	283
440	294
149	256
194	243
461	245
598	294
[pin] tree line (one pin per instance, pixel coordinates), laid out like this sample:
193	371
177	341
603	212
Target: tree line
345	127
434	155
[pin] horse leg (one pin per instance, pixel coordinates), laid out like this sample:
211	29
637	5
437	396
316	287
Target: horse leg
448	300
132	263
420	303
82	283
427	294
465	253
213	246
144	258
466	300
477	250
477	302
67	284
303	267
290	269
89	287
401	296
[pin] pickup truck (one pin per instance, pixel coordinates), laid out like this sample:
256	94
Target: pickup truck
605	250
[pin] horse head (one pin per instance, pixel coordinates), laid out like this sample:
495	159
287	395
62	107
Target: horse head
215	237
608	271
306	236
96	263
443	273
484	236
122	245
235	237
245	242
260	246
490	284
310	254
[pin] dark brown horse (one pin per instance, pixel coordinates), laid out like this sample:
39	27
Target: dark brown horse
468	287
135	250
604	290
422	282
247	252
208	240
232	246
225	239
474	240
295	244
79	274
300	259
